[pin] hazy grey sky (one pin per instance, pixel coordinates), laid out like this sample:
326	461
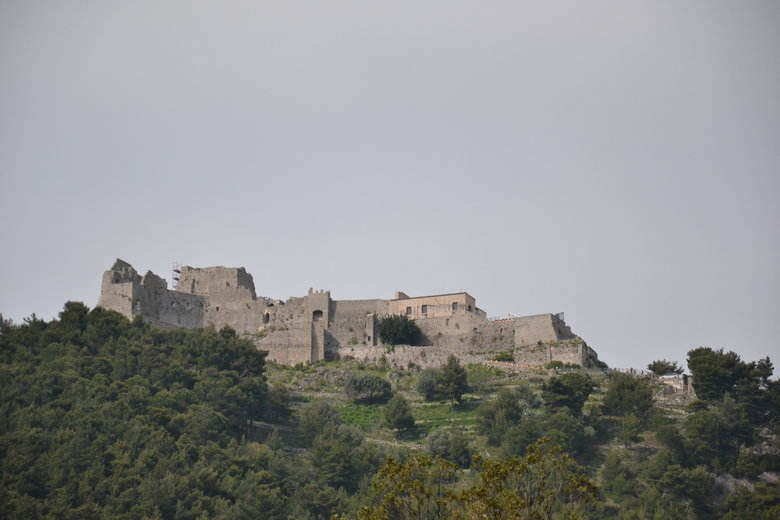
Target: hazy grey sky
617	161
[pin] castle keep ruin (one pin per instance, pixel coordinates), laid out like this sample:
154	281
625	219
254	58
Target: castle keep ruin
316	327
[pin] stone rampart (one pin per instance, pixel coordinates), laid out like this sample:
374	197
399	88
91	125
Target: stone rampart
351	323
168	308
315	327
529	330
404	357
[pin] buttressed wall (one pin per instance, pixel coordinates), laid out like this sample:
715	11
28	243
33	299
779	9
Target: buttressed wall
315	327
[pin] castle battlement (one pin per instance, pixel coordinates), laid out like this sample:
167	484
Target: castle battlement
315	326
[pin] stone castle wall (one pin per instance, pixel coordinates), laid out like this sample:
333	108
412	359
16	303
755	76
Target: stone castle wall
352	323
126	292
316	327
404	357
118	290
542	327
229	296
169	308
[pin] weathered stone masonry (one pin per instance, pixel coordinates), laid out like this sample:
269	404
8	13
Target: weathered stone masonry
315	327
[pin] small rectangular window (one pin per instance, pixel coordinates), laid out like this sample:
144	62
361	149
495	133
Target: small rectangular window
408	310
454	306
424	309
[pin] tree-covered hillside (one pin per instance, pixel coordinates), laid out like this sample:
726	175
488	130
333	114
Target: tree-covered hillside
107	418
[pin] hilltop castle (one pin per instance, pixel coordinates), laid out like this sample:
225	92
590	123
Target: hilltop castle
315	326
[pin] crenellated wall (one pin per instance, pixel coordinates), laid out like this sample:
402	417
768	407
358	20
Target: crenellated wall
316	327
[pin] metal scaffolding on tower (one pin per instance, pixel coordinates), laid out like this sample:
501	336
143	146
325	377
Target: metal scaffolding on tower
176	275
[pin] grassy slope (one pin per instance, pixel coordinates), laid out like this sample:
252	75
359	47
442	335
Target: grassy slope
326	381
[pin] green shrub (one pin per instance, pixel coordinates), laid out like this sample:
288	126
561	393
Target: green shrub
629	428
427	384
504	356
561	427
398	414
368	389
453	380
495	417
662	367
569	390
761	502
616	477
399	330
628	395
315	418
341	458
448	382
450	445
277	406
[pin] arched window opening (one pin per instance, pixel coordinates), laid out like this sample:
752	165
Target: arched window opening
316	315
266	317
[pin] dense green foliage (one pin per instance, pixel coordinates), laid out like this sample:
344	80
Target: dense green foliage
450	445
452	382
448	382
494	418
662	367
546	483
427	384
107	418
367	388
398	414
399	330
104	418
559	366
315	418
569	390
717	373
628	395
